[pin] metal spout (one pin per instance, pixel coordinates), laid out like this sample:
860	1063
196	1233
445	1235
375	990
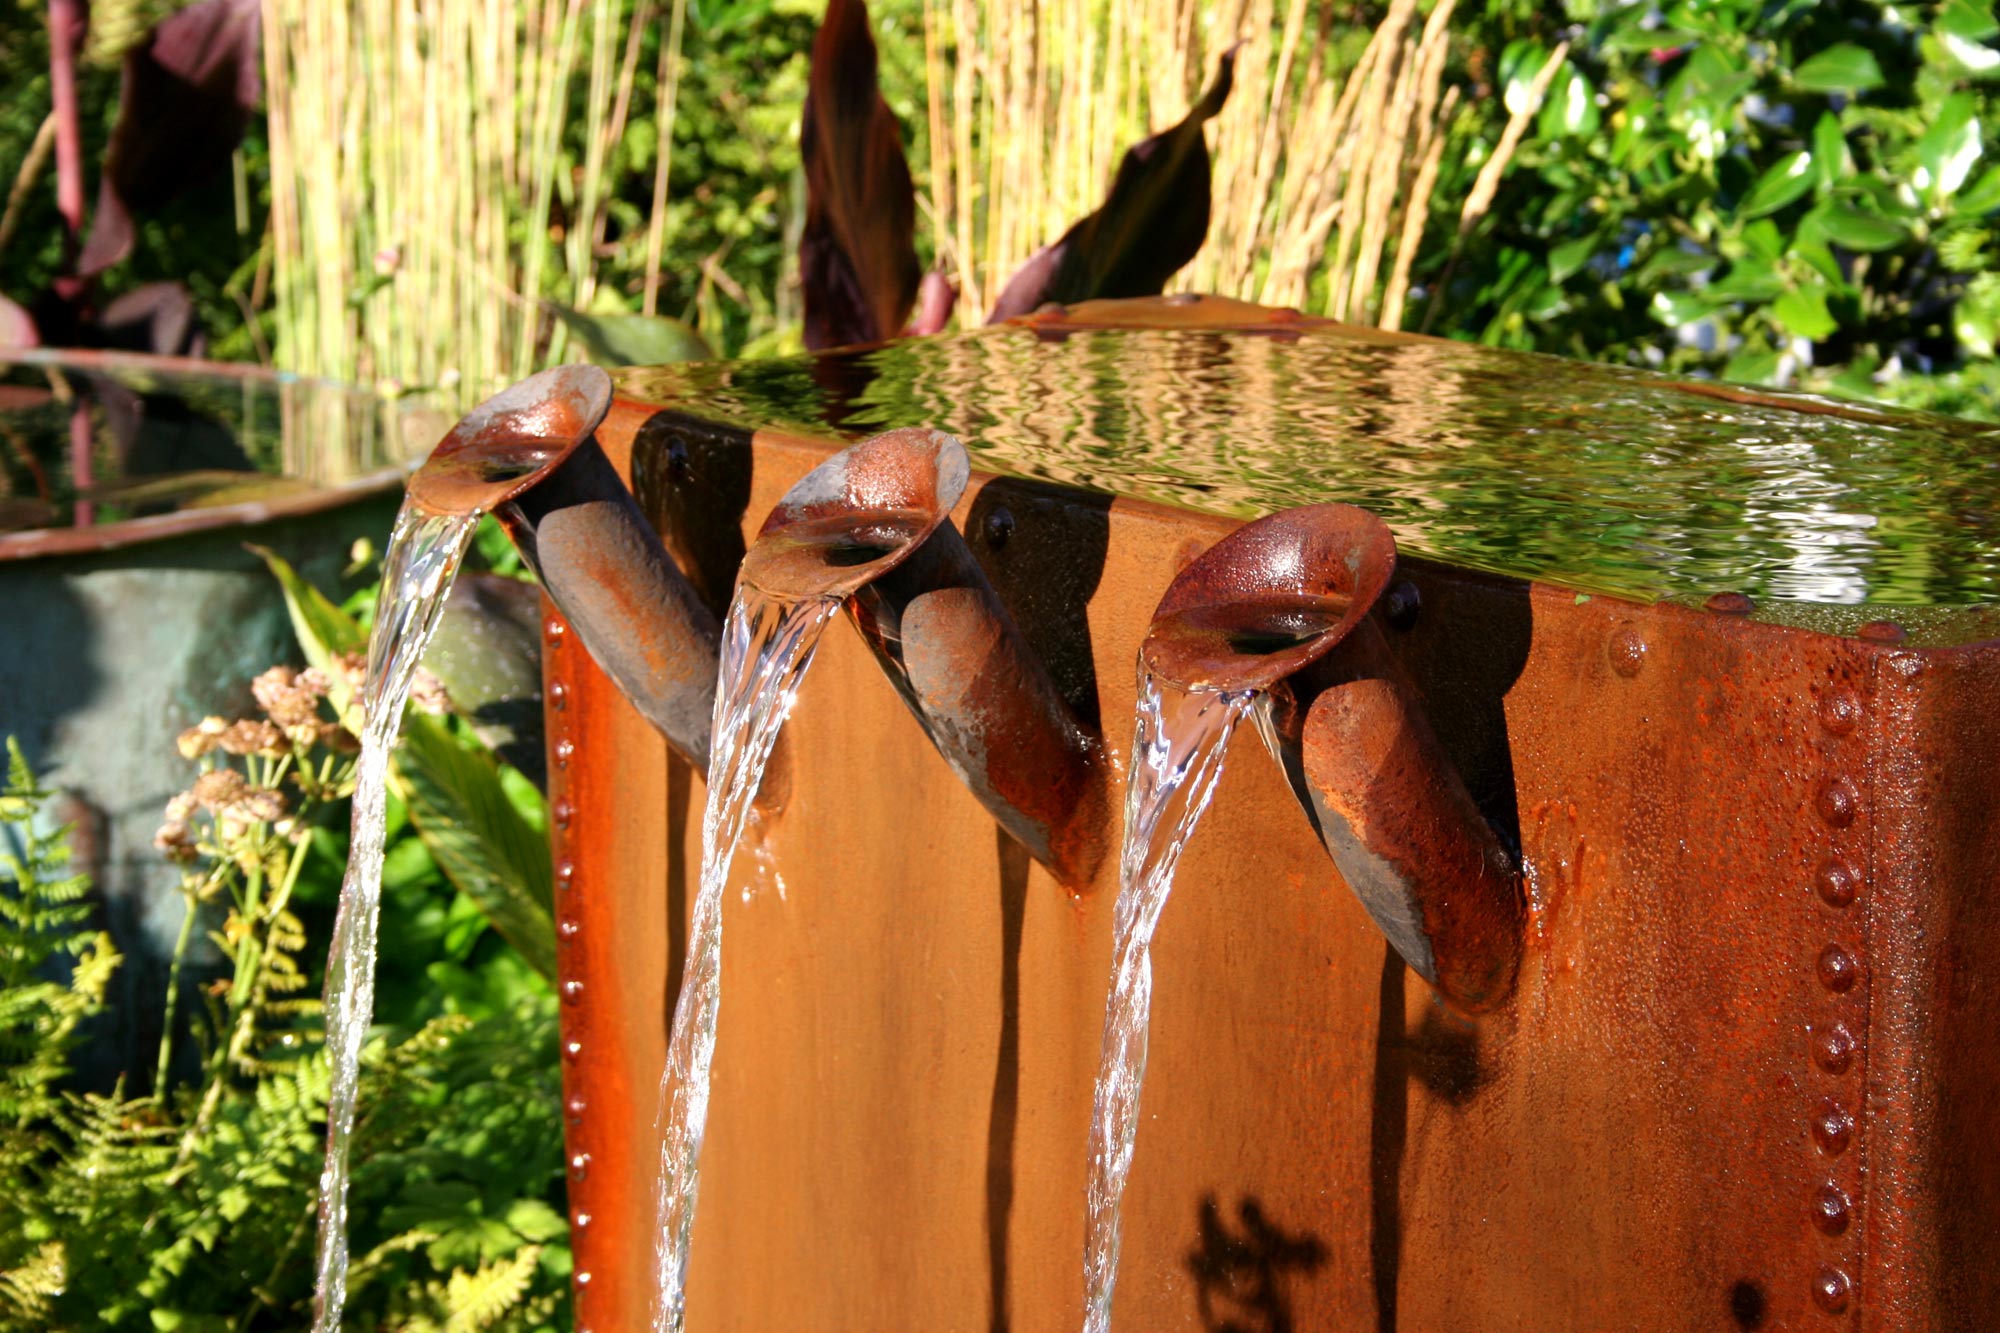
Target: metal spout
1282	605
529	455
872	525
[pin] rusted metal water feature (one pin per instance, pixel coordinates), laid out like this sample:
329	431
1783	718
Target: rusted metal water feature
1666	995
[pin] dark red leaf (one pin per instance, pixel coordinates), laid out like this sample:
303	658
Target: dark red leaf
17	326
1149	227
187	96
857	255
157	317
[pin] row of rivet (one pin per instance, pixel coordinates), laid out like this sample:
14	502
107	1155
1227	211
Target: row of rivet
562	748
1830	1125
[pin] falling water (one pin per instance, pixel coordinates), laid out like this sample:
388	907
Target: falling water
424	555
767	644
1177	748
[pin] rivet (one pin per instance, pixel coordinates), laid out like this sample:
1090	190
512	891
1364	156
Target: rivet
558	695
575	1106
1402	604
565	871
1830	1289
1287	315
579	1166
1882	631
580	1221
1833	1048
1832	1128
1836	802
1627	651
999	526
1182	298
1839	712
1829	1209
1837	969
572	1051
581	1280
569	928
1730	604
565	810
565	751
555	629
1836	883
572	992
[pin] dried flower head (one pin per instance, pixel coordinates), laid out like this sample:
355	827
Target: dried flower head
225	792
288	697
254	736
199	739
427	692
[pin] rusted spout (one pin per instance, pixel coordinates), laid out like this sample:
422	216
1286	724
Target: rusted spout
871	525
529	456
1282	605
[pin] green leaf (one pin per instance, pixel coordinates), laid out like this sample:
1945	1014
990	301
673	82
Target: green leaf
1982	197
1851	228
1753	281
1785	180
633	340
461	810
1844	68
1829	151
1976	318
1803	312
1950	148
1968	19
1570	256
325	631
1752	368
1677	308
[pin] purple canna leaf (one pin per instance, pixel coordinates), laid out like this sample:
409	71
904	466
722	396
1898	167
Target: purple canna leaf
857	255
1152	223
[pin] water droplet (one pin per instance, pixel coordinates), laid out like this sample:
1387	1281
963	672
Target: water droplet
569	928
1830	1209
565	751
1730	604
572	992
1833	1048
572	1051
1839	712
565	810
1836	802
558	695
1881	631
1830	1289
1627	651
1837	969
579	1165
1836	883
1832	1128
999	527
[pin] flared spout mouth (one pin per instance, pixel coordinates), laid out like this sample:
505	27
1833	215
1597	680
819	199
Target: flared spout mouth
1270	599
858	515
512	442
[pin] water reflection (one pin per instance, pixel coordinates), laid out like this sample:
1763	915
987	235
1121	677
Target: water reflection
1592	476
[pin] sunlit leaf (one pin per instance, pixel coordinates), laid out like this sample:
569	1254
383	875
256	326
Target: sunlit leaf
1843	68
1784	181
463	812
1803	312
324	630
1851	228
1567	258
1950	147
632	340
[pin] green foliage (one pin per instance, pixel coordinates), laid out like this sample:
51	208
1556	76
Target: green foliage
1748	188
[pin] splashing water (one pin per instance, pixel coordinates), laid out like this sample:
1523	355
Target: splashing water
1177	748
424	555
767	645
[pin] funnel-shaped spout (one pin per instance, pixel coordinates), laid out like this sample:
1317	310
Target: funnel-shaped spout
872	525
1282	605
529	455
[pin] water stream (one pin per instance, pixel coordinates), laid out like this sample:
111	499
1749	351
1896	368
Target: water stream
767	644
425	551
1177	749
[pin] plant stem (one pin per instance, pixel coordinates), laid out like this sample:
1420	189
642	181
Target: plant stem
173	999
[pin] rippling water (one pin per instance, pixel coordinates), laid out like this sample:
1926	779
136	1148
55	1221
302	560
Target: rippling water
1591	476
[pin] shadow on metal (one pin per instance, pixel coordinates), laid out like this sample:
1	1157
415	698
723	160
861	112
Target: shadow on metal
529	455
1283	605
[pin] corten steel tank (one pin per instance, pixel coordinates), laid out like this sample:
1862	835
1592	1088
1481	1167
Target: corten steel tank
1716	668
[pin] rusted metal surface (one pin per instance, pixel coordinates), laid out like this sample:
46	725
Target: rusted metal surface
530	456
1743	1078
1282	605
